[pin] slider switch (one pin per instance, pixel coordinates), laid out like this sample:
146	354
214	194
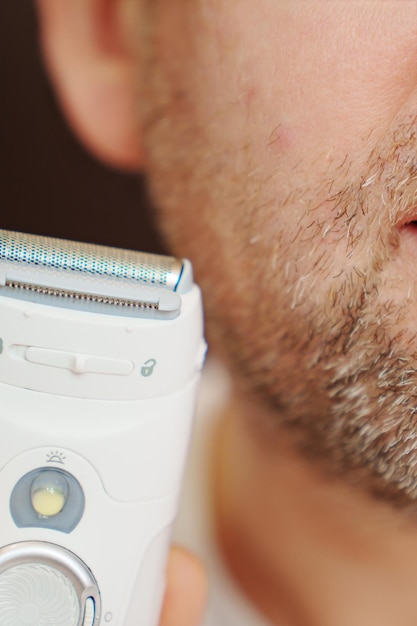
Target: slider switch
78	363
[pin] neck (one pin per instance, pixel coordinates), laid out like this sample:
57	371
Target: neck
309	551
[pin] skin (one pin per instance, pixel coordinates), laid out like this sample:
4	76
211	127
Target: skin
279	142
289	206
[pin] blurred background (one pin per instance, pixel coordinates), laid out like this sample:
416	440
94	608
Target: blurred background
48	183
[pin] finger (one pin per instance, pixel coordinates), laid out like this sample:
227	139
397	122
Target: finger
186	591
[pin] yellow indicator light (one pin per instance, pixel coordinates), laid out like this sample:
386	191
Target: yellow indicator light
49	493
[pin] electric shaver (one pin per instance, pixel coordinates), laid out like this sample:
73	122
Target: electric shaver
100	355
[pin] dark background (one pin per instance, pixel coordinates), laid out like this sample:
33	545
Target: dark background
48	183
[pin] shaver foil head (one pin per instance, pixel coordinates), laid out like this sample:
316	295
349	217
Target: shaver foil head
86	275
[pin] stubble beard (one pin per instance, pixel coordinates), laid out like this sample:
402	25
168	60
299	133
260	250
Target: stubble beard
331	351
321	340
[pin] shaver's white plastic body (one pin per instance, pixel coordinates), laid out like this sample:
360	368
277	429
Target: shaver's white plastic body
109	400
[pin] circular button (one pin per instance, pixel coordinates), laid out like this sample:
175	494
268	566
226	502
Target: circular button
42	584
33	593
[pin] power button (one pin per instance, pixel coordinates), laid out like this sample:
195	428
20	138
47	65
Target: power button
43	583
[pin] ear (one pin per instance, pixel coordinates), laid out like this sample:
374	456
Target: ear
90	53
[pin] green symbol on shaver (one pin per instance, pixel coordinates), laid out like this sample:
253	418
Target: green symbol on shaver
1	346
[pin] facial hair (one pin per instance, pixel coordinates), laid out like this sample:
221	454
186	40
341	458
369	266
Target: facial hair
313	317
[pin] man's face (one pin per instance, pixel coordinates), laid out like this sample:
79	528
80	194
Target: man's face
282	149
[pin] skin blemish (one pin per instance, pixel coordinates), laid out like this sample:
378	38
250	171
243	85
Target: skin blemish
281	139
249	96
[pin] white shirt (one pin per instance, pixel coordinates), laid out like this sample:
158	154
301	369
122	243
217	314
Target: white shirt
227	606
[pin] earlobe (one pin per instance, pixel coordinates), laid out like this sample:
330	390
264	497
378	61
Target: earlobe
94	69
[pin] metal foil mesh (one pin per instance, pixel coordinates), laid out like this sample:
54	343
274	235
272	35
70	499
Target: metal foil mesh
88	259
